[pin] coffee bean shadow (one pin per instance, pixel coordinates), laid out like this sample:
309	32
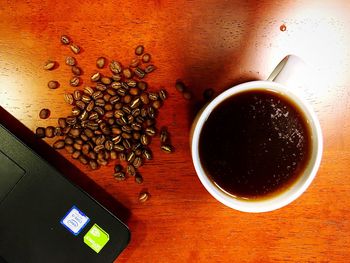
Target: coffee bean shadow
68	170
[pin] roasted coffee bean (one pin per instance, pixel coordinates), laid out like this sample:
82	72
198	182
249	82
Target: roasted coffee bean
119	147
106	80
62	122
136	126
40	132
118	168
135	112
66	130
147	154
58	131
85	149
151	112
121	91
99	110
100	140
100	62
187	95
74	132
53	84
71	120
116	130
130	157
68	98
76	70
75	48
99	148
113	100
139	50
70	61
118	105
80	104
76	154
114	155
93	115
150	68
77	94
138	179
131	83
144	98
97	95
88	90
83	159
164	135
126	99
106	97
49	131
140	119
122	156
126	144
120	176
119	113
75	111
85	98
100	102
90	106
135	103
146	58
138	152
130	170
142	85
77	146
134	62
157	104
102	162
92	155
44	113
95	77
115	67
163	94
180	86
84	137
65	40
116	85
84	115
68	140
116	77
137	162
89	133
111	92
49	65
167	148
153	96
126	135
109	145
75	81
127	73
145	140
101	87
93	164
139	73
144	196
136	135
59	144
69	149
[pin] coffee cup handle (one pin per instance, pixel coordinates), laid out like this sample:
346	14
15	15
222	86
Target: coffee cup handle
292	71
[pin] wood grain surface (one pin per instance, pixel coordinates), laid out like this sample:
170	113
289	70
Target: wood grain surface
207	44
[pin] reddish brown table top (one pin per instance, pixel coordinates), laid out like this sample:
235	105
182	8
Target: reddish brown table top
207	44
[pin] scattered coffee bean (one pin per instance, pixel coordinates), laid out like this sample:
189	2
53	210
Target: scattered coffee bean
150	68
75	48
68	98
93	164
139	73
180	86
59	144
139	50
65	40
119	176
77	71
44	113
53	84
146	58
100	62
49	131
75	81
49	65
134	63
70	61
144	196
40	132
167	148
115	67
138	179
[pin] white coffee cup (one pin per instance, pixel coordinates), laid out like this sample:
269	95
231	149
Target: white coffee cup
283	73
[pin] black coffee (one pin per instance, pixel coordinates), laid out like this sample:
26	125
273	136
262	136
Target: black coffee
255	144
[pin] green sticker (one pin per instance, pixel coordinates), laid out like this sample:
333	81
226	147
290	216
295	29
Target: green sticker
96	238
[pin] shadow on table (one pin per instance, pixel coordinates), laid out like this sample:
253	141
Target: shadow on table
72	173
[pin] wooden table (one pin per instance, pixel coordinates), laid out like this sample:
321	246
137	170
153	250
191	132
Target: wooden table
207	44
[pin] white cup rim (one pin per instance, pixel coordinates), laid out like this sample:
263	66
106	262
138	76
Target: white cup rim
279	200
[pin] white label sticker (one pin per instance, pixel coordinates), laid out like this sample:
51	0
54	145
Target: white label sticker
75	220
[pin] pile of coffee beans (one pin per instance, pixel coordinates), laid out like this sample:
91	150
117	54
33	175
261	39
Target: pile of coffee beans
113	119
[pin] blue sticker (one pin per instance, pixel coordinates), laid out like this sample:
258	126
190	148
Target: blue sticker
75	220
